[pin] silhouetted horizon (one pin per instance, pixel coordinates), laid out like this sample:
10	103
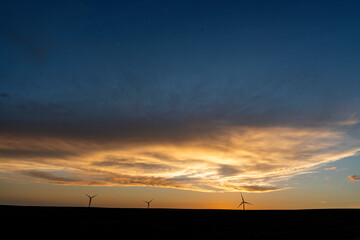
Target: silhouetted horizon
179	223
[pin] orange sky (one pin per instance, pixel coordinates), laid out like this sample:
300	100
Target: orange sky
201	172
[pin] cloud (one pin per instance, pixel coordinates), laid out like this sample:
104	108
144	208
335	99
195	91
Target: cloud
47	176
45	109
134	163
354	178
330	168
226	170
103	178
4	95
201	158
35	153
27	44
257	188
176	121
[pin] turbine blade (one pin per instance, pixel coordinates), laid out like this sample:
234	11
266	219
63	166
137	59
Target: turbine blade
240	204
87	195
248	203
242	197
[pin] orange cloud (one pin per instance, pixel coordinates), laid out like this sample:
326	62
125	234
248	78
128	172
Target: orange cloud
226	158
354	178
330	168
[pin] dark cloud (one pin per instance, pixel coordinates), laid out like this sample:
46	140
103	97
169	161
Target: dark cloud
32	47
46	109
164	157
106	163
127	180
48	176
258	188
227	170
35	154
185	178
131	163
105	178
161	156
354	178
4	95
111	132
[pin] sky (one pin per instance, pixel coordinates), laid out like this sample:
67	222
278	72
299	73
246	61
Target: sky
189	103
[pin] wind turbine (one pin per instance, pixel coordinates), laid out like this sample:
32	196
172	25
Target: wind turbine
148	203
90	198
243	202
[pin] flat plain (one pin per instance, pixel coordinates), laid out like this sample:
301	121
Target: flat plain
125	223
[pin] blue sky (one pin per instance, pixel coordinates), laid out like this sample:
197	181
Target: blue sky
182	56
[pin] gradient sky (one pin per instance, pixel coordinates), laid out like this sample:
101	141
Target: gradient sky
186	102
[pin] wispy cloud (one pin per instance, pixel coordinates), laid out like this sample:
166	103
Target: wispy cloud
47	176
213	158
330	168
135	164
354	178
48	109
4	95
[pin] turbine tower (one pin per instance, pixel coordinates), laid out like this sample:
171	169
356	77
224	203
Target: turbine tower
90	198
243	202
148	203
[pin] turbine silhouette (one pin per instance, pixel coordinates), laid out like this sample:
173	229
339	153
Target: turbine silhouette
90	198
243	202
148	203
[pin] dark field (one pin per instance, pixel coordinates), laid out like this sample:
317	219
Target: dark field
110	223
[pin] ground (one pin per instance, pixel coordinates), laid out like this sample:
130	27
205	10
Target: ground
119	223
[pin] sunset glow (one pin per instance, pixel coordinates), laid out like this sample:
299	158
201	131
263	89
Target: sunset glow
182	101
219	158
